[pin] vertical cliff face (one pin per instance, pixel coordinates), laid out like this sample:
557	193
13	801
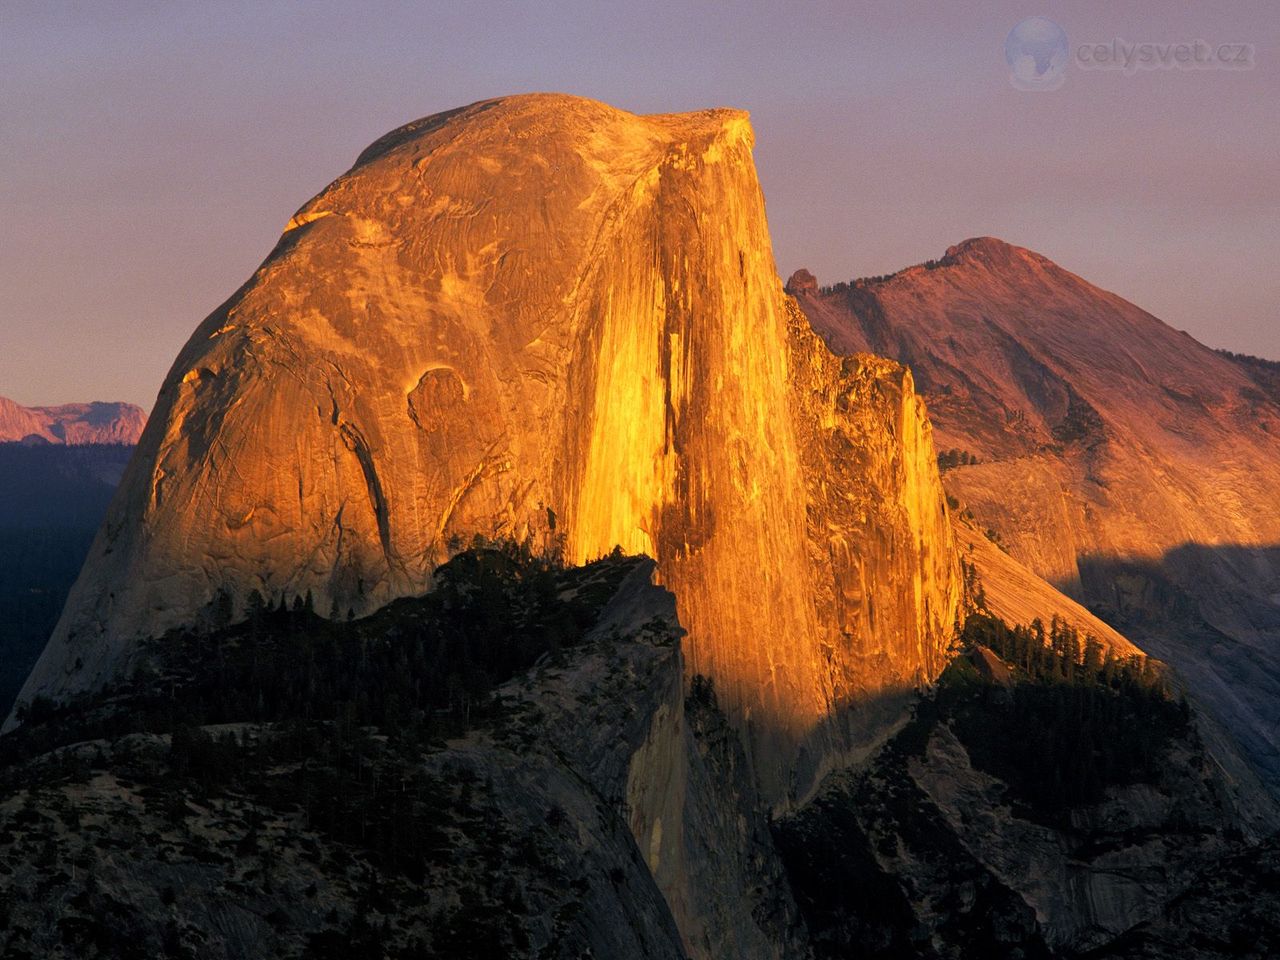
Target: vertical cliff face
881	552
540	317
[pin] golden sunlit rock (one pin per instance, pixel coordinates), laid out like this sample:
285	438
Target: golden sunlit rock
541	317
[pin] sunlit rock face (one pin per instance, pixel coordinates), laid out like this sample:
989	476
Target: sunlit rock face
540	317
1119	459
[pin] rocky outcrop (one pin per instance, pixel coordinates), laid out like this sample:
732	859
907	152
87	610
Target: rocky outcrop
1231	911
540	318
1115	458
881	553
802	282
1114	865
71	423
672	763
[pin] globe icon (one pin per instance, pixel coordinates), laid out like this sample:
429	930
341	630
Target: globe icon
1036	51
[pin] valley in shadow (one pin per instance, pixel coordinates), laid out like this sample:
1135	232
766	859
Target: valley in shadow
54	499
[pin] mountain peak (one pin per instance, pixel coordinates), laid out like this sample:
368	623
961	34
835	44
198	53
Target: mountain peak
532	114
1094	440
801	280
990	250
990	245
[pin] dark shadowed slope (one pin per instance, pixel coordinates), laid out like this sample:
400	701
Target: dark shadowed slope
52	498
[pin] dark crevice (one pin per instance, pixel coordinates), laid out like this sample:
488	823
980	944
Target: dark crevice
357	444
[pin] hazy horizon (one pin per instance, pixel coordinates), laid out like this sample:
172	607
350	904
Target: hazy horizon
153	154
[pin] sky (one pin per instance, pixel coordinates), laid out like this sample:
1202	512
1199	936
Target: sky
151	153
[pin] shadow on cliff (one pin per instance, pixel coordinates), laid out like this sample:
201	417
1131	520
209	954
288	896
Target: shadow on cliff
858	725
1213	614
1231	589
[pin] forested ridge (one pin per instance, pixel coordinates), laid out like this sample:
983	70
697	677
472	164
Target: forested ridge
324	724
1074	721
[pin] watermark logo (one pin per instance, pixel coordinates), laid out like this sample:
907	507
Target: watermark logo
1038	53
1117	54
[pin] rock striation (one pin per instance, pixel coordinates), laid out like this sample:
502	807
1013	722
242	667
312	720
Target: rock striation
1115	457
71	423
541	318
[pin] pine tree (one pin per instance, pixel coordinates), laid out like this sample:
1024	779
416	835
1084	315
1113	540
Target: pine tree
1092	661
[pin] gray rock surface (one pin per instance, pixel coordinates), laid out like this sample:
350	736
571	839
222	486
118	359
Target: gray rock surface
534	819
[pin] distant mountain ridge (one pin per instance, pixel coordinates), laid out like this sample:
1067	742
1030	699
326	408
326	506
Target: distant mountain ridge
59	468
71	424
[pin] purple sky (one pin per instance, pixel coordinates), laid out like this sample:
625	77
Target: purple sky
151	153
